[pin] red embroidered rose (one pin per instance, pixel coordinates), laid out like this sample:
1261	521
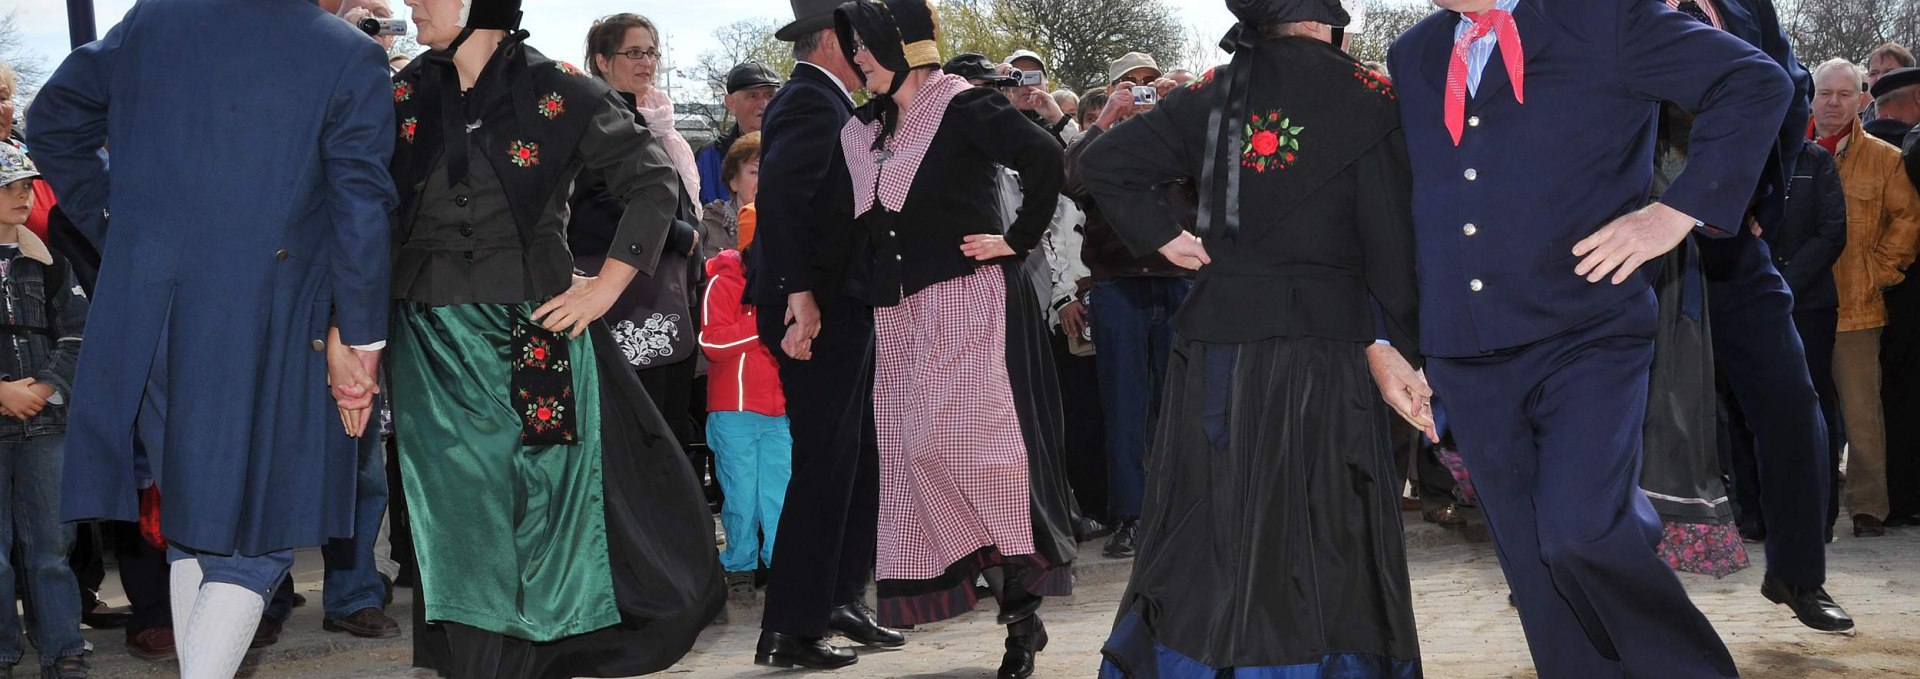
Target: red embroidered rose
408	127
402	91
1265	142
524	154
544	413
540	353
553	105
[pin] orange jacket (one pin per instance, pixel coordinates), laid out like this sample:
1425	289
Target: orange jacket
1883	228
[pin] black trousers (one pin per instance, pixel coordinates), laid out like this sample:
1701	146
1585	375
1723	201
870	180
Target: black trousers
1086	427
824	552
1758	351
671	388
143	570
1816	329
1900	398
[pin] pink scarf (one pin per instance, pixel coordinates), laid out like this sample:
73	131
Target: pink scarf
656	114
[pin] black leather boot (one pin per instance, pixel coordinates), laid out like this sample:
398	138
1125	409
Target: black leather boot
1024	639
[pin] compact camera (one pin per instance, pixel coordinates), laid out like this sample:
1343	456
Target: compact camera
1145	95
1027	78
378	27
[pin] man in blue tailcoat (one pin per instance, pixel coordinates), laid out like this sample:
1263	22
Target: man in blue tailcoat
1537	319
245	217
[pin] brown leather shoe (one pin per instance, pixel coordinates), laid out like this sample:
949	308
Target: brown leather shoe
153	645
267	634
1865	526
1445	516
366	623
1409	504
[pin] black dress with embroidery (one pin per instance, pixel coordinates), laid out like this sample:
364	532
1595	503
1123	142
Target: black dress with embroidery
1270	540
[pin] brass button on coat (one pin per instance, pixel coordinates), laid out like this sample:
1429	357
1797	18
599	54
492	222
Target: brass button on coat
319	345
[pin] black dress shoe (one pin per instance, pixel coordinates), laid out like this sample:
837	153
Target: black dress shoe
1024	639
267	634
366	623
99	616
1088	530
1866	526
855	621
1810	605
1121	545
780	650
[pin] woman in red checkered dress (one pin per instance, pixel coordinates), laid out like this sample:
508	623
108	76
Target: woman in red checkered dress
962	411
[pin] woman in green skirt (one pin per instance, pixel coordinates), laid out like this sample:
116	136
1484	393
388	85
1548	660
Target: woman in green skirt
560	532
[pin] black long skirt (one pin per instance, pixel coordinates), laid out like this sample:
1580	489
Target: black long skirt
1270	543
666	574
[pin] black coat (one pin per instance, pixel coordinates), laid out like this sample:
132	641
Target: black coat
805	240
1812	230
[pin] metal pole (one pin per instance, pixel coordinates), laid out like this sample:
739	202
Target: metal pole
80	25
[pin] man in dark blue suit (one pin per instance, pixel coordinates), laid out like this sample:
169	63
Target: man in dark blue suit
1530	125
815	319
1758	349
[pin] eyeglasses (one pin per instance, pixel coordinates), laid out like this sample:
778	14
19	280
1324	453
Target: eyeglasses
638	54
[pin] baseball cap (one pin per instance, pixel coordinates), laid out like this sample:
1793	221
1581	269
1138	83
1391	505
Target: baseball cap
15	165
1133	61
1026	54
749	75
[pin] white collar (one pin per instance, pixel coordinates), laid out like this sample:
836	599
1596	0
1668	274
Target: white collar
830	76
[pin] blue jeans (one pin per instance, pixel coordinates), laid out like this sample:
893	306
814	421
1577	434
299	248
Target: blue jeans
754	455
1133	331
30	494
352	580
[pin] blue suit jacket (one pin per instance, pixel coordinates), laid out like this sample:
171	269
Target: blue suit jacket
1535	179
1756	23
248	200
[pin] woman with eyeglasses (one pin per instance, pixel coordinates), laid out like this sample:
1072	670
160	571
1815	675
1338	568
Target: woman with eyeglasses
559	531
654	322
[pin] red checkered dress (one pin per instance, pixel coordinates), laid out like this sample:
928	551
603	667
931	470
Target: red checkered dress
953	468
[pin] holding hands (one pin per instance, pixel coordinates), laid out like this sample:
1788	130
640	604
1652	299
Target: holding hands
1403	388
352	375
24	398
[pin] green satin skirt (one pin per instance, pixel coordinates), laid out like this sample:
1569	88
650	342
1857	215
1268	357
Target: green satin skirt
511	538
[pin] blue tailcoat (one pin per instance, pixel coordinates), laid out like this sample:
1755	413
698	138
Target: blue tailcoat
1578	153
248	199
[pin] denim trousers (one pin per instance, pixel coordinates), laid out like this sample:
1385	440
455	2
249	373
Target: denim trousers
30	492
1132	333
352	580
754	455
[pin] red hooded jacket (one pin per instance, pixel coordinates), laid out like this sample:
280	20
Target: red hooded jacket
743	375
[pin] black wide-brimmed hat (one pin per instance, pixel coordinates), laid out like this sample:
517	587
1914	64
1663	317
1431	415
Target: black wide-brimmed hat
809	16
1273	12
976	67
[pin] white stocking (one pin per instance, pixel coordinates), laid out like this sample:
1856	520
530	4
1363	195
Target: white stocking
222	627
184	584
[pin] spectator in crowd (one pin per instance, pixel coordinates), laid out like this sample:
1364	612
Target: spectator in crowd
1881	61
816	319
1181	76
1806	242
653	320
1883	233
1897	101
1091	104
1896	105
728	222
750	86
1069	102
353	11
624	51
747	411
43	315
236	504
968	451
398	61
605	565
1131	300
1034	100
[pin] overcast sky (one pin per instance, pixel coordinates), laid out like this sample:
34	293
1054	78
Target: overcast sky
558	26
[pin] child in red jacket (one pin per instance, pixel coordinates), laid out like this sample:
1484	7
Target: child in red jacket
747	411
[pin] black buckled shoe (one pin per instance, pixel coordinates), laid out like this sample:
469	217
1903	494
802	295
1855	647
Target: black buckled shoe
1810	605
856	622
781	650
1024	639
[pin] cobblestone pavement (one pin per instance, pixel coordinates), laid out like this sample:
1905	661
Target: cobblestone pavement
1467	630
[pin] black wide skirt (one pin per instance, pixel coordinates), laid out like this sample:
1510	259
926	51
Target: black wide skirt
1270	543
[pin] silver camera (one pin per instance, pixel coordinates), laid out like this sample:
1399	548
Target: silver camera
377	27
1028	78
1145	95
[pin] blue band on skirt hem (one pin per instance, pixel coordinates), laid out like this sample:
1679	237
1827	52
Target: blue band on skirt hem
1131	653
